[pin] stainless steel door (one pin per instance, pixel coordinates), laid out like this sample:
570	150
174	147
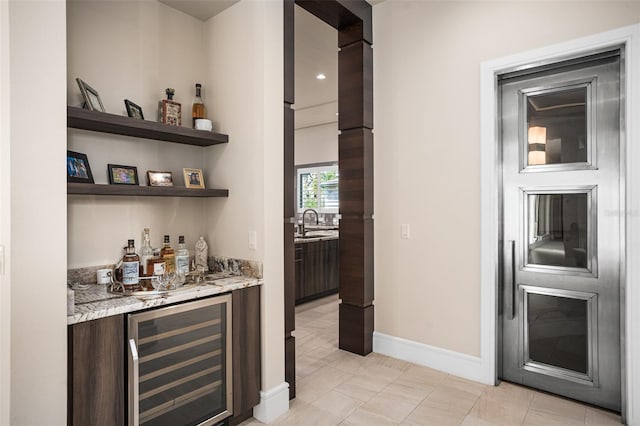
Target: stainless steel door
560	297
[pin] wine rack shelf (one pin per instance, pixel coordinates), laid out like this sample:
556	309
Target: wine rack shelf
96	121
144	191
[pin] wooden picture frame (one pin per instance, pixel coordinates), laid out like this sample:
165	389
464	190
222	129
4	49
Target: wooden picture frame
122	175
133	110
159	178
92	100
78	168
193	178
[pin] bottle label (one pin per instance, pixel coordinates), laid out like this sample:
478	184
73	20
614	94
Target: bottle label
159	268
130	273
182	264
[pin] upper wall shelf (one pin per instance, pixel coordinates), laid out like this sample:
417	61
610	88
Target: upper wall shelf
79	118
143	191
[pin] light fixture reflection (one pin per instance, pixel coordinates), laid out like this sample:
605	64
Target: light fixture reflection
321	76
537	143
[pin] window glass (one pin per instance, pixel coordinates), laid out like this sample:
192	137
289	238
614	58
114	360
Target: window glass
317	188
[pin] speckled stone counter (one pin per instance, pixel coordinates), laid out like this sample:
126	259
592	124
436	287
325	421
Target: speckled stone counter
318	236
96	302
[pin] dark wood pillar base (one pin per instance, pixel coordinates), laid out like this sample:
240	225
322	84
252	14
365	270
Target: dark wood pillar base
356	328
290	364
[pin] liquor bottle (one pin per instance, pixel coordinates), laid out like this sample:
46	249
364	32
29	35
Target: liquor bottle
146	253
130	267
182	257
198	110
155	265
168	255
170	111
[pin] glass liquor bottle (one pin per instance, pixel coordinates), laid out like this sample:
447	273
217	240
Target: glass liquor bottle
170	111
198	110
168	255
182	257
130	267
155	265
146	253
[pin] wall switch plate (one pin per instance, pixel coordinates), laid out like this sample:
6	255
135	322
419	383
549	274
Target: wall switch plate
253	240
405	232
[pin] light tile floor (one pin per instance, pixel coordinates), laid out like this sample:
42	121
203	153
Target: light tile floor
339	388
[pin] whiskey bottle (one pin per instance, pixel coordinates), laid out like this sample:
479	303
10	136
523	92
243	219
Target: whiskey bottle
198	110
168	255
130	267
155	265
182	257
146	253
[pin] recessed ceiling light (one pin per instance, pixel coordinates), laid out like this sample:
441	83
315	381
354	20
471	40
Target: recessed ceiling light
321	76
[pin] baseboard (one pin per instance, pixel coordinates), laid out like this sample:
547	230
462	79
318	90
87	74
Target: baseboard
461	365
273	403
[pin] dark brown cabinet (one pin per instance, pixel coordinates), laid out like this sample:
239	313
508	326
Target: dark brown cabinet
316	269
96	372
97	359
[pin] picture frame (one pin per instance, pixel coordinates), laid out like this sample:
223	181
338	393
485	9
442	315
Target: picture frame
133	110
193	178
78	168
159	178
122	175
92	100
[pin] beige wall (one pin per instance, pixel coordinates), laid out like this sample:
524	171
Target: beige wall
38	209
316	144
427	59
133	50
244	45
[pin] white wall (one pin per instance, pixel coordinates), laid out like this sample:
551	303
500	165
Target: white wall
427	59
316	144
38	211
133	50
5	217
244	45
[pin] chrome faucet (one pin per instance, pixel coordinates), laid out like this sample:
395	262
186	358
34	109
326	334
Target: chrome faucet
303	215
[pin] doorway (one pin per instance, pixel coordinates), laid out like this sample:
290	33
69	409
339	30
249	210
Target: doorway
560	304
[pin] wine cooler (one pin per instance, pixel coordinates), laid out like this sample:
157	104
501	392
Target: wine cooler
180	364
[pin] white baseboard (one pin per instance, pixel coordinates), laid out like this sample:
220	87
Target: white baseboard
273	403
461	365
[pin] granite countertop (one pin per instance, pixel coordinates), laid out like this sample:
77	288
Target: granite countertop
317	236
96	302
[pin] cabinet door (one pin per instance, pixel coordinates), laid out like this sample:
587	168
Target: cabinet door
332	265
246	352
299	270
96	372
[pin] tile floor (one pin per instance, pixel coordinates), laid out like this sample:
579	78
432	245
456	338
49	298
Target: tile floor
340	388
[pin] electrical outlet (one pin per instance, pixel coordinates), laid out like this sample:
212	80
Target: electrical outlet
405	232
253	240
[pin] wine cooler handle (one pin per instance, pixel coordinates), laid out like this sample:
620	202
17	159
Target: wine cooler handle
134	374
510	279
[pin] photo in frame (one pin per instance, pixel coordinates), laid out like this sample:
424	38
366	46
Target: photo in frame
78	168
133	110
92	100
193	178
156	178
122	175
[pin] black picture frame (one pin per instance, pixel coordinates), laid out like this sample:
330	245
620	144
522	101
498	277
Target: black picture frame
133	110
122	175
78	168
92	100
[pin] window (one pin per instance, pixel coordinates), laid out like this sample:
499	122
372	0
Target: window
317	188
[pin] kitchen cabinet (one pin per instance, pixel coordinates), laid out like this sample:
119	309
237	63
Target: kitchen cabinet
316	269
97	360
96	376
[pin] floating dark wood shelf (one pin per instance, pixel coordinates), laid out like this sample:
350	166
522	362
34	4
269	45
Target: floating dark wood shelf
79	118
143	191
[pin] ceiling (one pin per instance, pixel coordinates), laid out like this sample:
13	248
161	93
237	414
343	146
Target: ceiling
200	9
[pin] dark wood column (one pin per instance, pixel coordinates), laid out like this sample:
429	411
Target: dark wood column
289	202
355	105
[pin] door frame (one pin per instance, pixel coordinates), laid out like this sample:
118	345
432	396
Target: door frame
629	38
